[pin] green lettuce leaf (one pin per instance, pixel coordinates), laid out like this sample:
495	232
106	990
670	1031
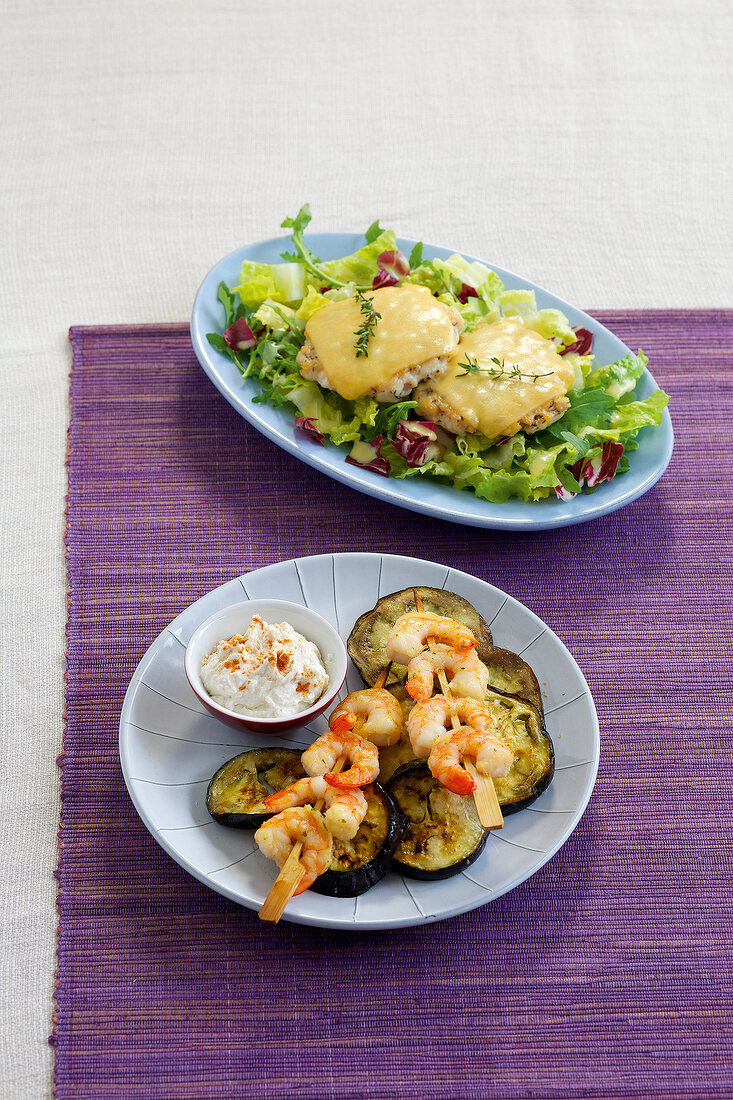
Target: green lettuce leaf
550	323
619	378
327	409
361	267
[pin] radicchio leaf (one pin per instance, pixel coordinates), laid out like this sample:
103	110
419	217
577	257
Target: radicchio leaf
393	266
384	278
562	493
375	463
582	345
416	441
592	471
239	336
307	424
466	292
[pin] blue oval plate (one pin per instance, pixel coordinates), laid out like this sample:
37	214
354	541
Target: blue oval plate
647	464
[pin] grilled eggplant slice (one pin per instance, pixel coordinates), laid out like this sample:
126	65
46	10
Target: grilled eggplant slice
508	672
443	834
359	864
237	789
369	637
520	724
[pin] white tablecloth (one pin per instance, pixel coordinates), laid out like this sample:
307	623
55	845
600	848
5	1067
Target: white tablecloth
584	144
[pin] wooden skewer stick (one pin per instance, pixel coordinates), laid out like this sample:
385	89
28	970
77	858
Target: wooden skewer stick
292	870
484	794
291	873
284	887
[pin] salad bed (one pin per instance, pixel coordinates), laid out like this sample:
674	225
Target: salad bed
265	315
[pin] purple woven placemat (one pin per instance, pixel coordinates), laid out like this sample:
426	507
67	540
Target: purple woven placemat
606	974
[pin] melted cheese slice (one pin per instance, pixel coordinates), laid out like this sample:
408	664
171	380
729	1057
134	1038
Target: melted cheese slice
413	327
494	405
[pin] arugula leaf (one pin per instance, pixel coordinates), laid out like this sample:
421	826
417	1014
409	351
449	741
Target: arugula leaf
588	406
300	222
303	254
416	255
388	417
217	341
226	298
373	232
567	479
581	445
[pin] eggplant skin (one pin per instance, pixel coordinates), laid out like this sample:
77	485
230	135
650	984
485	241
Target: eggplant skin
369	637
510	673
361	863
444	835
237	788
520	724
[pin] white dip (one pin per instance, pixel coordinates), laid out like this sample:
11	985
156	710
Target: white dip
270	671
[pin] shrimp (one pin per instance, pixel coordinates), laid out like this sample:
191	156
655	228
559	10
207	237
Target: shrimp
467	673
411	632
325	751
491	756
279	835
345	809
378	715
429	721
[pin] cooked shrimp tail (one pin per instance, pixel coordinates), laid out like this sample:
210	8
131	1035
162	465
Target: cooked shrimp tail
410	635
490	755
342	719
363	756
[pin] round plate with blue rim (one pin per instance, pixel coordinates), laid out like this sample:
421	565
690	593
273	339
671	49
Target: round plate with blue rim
647	464
170	746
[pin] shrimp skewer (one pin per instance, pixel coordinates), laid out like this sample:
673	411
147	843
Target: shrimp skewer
410	634
345	809
292	871
298	827
348	802
378	715
484	794
466	672
449	754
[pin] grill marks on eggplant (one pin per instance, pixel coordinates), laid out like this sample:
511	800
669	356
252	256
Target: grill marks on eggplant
414	826
368	639
443	834
359	864
521	726
507	671
236	791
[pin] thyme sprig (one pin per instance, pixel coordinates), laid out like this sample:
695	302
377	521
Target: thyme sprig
499	370
367	327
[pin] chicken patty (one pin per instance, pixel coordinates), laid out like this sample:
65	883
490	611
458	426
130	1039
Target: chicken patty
410	341
502	379
434	407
